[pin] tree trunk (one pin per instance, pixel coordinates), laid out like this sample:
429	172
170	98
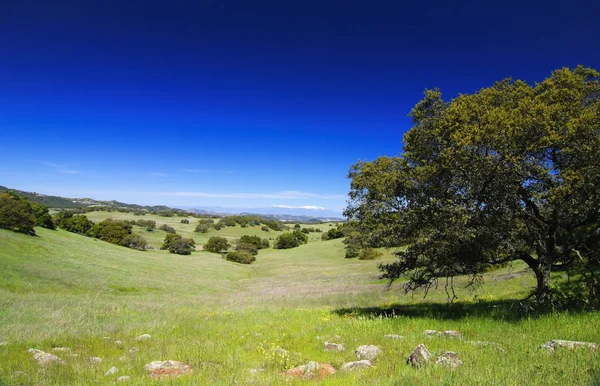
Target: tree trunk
542	275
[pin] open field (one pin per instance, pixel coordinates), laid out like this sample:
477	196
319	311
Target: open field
64	290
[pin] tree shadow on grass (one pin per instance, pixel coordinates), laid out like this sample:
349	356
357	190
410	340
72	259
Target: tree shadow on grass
505	310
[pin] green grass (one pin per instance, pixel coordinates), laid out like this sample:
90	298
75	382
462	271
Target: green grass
61	289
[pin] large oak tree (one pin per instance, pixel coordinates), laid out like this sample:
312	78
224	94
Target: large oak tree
509	172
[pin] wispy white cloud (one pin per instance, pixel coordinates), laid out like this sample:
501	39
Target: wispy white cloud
158	174
311	207
61	168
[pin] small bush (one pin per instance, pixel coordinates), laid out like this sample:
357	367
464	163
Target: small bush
265	243
369	254
290	240
167	228
246	247
254	240
182	246
185	221
136	242
201	228
170	239
216	244
241	257
264	228
352	252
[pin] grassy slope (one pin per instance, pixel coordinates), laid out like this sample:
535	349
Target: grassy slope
61	289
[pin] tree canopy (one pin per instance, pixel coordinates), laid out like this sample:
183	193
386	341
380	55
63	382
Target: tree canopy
509	172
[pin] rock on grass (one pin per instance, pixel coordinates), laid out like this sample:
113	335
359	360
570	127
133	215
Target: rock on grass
368	352
311	370
419	357
334	347
357	365
44	358
169	368
449	359
571	344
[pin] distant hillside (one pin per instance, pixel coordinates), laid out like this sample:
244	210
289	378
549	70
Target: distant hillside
279	214
73	203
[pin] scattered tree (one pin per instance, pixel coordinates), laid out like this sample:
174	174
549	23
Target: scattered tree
167	228
510	172
16	214
170	238
242	257
182	246
216	244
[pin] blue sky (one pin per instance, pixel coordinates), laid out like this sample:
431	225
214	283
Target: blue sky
248	104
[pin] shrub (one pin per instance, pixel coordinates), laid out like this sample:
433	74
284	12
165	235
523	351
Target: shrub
185	221
352	252
182	246
254	240
264	228
242	257
318	230
246	247
296	226
290	240
170	239
333	233
369	254
42	217
136	242
265	243
201	228
206	221
167	228
73	223
216	244
111	231
16	214
148	224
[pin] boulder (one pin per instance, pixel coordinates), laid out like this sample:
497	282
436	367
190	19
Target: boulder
431	332
449	359
357	365
111	371
334	347
144	337
44	358
368	352
419	357
311	370
447	333
162	369
123	378
570	344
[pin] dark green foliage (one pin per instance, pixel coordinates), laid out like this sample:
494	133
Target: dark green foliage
182	246
217	226
318	230
509	172
265	243
369	254
185	221
167	228
206	221
351	252
136	242
16	214
251	248
111	231
296	226
216	244
148	224
264	228
255	240
333	233
241	257
201	228
79	224
42	217
305	230
290	240
170	239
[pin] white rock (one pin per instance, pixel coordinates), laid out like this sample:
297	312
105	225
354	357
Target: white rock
123	378
111	371
357	365
368	352
449	359
334	347
393	336
61	349
95	360
144	337
571	344
419	357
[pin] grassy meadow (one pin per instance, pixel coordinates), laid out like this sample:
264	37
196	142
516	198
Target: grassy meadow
60	289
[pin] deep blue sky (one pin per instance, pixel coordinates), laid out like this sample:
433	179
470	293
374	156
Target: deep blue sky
248	103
